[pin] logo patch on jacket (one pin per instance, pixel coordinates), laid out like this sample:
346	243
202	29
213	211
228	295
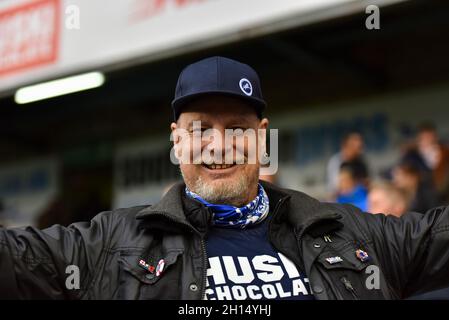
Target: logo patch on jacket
334	260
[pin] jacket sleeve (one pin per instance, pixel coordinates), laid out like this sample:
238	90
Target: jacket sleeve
413	249
44	264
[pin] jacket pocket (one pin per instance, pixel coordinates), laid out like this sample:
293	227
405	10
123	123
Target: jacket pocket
138	283
130	263
347	261
347	275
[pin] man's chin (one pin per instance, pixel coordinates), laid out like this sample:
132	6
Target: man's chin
226	190
218	184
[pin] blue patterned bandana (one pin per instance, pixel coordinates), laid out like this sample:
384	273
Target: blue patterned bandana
230	216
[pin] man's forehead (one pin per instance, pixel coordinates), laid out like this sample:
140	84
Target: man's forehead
218	109
208	118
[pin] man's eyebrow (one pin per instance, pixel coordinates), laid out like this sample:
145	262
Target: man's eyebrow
237	120
244	123
239	124
202	122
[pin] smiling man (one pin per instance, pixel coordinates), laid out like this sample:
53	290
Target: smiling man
223	234
220	182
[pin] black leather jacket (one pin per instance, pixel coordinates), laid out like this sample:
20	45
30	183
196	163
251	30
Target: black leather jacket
410	253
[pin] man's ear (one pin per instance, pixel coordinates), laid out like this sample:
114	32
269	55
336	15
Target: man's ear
176	138
262	137
263	124
173	127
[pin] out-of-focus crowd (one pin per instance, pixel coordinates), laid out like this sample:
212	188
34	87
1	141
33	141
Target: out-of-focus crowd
418	182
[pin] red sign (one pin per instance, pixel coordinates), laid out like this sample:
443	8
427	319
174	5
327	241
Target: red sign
148	8
29	36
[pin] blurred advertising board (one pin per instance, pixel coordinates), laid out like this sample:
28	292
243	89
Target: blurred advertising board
44	39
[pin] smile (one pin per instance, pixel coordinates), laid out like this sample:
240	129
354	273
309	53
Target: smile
218	166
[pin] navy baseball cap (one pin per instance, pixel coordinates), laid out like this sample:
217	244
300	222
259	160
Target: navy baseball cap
218	75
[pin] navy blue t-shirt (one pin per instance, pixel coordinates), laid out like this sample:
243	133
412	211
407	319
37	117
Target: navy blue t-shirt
244	265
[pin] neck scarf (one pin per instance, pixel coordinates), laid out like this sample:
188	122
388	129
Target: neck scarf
234	217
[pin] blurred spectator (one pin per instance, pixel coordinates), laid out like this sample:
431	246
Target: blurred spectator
431	157
351	186
388	199
351	150
419	190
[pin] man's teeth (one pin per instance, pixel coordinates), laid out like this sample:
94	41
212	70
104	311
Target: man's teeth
219	166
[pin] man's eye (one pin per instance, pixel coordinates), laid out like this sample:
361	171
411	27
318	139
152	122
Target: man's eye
196	130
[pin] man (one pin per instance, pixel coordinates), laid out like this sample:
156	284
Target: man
351	150
351	187
223	234
420	191
387	198
433	157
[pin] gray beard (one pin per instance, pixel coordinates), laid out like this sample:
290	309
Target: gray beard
231	194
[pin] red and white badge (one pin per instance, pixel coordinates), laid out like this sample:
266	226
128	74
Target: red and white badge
160	267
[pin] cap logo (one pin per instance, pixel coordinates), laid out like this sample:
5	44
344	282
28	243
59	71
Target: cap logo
246	86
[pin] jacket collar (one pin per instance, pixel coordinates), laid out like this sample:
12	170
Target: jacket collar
170	204
302	211
177	207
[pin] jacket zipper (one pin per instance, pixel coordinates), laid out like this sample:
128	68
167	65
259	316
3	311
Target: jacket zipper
203	288
275	212
349	287
203	247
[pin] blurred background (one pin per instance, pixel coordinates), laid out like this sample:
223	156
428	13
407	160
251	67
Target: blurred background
363	114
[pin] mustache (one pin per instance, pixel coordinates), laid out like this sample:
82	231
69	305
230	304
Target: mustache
220	159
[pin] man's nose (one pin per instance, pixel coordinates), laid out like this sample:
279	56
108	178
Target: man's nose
218	145
216	141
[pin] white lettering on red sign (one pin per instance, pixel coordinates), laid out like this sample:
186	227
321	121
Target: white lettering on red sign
29	36
144	9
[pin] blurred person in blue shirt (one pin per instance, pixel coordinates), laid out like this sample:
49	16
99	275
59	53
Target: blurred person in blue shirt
351	150
352	185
